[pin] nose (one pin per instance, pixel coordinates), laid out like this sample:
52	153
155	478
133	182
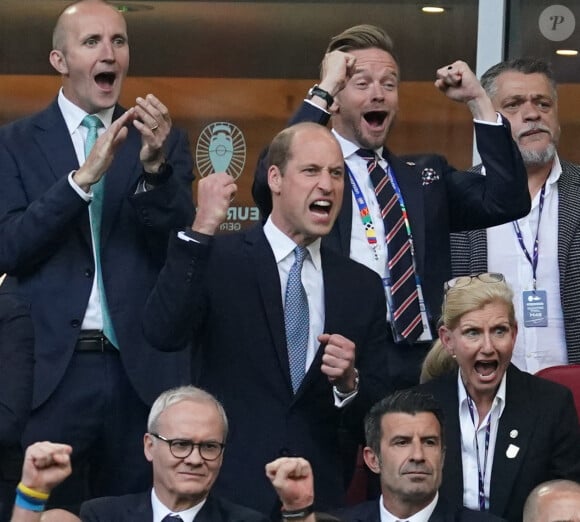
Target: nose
486	344
325	181
417	453
530	112
107	51
377	91
194	458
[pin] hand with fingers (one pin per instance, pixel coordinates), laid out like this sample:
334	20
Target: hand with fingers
293	481
103	152
153	121
214	194
338	362
458	82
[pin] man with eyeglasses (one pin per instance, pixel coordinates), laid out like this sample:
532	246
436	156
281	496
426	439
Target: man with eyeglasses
185	440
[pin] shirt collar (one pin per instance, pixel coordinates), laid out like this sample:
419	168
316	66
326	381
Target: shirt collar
554	175
283	246
498	401
349	148
420	516
160	510
73	115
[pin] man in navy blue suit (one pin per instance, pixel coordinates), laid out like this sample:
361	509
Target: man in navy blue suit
231	296
89	195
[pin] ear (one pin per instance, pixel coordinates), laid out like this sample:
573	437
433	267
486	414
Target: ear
274	179
445	338
58	61
148	446
371	460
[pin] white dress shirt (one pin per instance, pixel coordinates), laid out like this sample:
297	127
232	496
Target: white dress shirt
536	347
420	516
469	430
73	116
160	510
313	281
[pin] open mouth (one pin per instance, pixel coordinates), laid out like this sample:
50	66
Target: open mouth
375	118
105	80
321	206
486	368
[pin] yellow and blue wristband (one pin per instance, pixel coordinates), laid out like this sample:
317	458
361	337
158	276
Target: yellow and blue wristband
30	499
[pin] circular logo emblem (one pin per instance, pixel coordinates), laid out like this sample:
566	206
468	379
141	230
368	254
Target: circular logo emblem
557	23
221	147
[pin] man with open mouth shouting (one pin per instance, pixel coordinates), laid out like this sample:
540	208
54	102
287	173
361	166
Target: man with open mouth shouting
89	194
396	217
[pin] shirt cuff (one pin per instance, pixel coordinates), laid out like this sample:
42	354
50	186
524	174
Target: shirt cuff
498	122
317	106
194	237
87	196
343	399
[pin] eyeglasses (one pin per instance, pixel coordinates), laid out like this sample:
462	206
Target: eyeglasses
461	281
182	448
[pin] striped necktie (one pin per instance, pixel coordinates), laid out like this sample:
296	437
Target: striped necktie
296	319
93	123
406	311
172	518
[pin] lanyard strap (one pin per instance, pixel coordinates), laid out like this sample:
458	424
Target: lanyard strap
365	214
533	259
480	472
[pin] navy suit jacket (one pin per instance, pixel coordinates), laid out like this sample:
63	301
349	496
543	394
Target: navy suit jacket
226	296
137	508
370	512
539	418
45	241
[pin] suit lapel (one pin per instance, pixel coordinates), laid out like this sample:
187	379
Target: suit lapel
515	430
54	142
209	512
339	237
568	197
452	487
262	261
141	510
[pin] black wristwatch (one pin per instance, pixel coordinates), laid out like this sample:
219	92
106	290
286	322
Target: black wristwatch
321	93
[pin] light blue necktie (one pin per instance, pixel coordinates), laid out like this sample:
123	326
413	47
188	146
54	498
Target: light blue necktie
296	319
93	123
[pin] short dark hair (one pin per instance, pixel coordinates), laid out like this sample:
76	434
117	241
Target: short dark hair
521	65
279	151
359	37
409	401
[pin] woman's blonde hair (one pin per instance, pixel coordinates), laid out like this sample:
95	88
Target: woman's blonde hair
463	295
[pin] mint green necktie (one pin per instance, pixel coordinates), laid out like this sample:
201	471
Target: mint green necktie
93	123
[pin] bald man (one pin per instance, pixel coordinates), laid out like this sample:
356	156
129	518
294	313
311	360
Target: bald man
554	501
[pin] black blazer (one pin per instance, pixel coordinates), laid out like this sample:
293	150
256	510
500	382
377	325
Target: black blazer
45	242
370	512
226	297
137	508
542	414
